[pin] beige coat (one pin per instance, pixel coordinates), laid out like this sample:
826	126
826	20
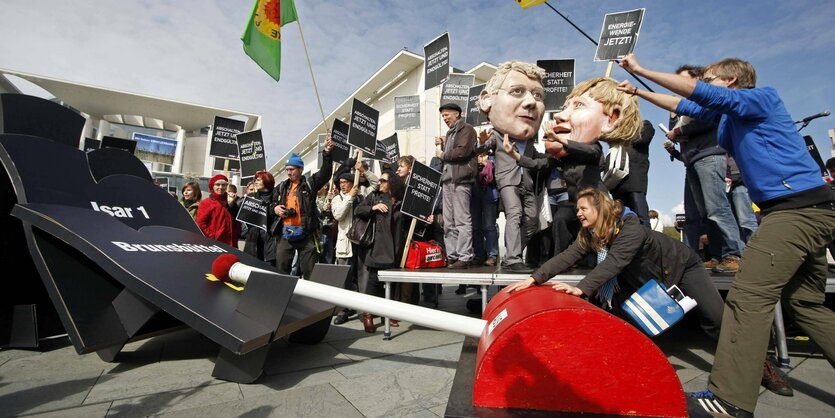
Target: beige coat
343	212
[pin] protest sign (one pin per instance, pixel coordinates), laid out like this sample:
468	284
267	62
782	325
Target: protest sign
91	144
234	165
251	149
422	190
457	90
474	115
128	145
341	148
379	151
253	212
223	143
406	112
363	129
680	219
558	82
436	66
618	34
392	148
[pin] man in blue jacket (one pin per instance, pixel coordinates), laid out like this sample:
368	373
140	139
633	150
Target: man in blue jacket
786	258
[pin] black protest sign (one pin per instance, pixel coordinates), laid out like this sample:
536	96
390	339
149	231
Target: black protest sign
253	211
406	112
234	165
618	34
474	115
816	155
457	90
422	190
680	219
341	148
392	148
379	151
363	130
223	143
558	82
91	144
251	149
436	66
128	145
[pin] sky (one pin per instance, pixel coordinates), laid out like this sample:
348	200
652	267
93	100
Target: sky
191	51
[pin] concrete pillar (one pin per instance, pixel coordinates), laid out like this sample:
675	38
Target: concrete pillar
104	126
86	132
178	152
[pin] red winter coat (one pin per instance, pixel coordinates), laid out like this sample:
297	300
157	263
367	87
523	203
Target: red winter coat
215	221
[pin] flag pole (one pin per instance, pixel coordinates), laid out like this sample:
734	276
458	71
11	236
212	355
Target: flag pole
595	44
316	90
312	78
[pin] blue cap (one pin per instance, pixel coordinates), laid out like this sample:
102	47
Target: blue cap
295	161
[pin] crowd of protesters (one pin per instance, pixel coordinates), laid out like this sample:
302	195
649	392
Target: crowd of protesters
568	207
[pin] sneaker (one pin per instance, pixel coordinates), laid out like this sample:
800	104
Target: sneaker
775	380
459	265
728	265
706	403
711	264
490	262
518	268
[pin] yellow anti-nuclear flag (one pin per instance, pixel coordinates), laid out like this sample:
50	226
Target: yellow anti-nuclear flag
528	3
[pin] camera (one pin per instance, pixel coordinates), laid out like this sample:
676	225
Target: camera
290	213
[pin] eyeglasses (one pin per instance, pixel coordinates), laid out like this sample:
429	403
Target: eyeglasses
518	92
709	78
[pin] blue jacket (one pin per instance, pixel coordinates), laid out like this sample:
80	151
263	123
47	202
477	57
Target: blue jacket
757	130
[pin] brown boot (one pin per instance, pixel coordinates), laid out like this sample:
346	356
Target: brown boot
729	265
368	322
775	380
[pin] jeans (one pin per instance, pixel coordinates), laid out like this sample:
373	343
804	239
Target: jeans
744	212
708	189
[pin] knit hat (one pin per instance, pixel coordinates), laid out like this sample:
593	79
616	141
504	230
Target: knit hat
295	161
216	178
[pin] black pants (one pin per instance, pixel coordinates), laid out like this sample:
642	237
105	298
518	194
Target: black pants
286	251
636	201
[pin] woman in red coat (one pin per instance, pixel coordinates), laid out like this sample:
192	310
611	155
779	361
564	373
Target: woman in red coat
212	217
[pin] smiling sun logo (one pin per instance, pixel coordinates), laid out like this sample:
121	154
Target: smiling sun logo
268	18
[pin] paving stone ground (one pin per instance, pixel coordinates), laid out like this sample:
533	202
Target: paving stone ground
350	374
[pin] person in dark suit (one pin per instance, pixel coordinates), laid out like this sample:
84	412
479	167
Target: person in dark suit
513	100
